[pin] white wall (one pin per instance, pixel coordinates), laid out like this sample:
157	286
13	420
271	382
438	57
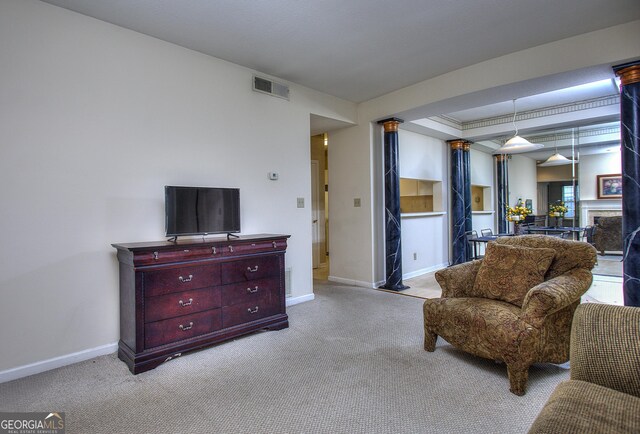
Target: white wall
95	120
350	234
593	165
522	180
423	157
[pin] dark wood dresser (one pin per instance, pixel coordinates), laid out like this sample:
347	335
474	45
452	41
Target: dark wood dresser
180	296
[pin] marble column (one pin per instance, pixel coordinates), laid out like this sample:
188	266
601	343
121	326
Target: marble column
502	190
468	225
630	150
392	227
458	215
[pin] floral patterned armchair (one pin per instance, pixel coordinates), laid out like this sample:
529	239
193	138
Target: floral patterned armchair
515	305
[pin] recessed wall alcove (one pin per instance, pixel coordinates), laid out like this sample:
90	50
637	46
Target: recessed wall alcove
420	195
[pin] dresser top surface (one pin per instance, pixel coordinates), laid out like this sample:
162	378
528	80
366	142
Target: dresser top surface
195	242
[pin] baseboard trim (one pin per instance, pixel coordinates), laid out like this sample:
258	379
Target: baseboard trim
291	301
352	282
80	356
56	362
375	285
424	271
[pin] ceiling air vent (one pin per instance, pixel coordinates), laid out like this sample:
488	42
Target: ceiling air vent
270	87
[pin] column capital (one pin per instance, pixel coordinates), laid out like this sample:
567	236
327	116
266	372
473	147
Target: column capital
391	124
629	73
459	144
501	157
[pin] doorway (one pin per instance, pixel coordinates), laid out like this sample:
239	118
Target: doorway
319	206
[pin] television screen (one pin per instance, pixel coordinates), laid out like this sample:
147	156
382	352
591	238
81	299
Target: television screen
201	210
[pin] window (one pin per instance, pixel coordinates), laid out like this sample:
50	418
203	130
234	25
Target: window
569	200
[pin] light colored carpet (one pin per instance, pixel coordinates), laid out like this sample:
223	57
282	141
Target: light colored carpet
352	361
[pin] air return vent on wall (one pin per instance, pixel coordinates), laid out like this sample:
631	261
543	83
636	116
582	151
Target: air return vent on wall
270	87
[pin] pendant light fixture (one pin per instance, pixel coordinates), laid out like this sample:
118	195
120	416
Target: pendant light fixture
556	159
517	144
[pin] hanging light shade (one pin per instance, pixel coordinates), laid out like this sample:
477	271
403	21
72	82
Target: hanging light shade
517	144
556	160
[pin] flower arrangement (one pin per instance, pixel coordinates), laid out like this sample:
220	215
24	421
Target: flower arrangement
558	209
518	212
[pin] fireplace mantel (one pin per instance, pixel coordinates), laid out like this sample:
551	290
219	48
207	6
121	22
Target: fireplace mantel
598	208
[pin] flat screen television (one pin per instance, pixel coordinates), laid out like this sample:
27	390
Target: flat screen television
201	210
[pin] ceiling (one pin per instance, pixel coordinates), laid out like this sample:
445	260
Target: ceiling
578	119
360	49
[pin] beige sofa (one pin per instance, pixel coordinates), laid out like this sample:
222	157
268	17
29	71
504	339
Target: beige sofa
603	394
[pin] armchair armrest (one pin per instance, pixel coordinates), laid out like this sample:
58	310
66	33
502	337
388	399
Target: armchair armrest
455	281
552	295
605	346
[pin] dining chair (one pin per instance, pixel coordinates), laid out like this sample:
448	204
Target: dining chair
587	234
470	235
486	232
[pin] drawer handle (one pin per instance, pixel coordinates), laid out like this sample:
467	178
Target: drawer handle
155	255
189	327
213	251
275	245
188	279
231	249
252	270
171	357
253	310
253	291
188	303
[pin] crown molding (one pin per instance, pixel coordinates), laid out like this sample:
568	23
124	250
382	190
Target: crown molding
589	104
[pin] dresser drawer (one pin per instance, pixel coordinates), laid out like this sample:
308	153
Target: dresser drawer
255	268
246	312
260	246
162	282
175	255
180	303
182	327
250	292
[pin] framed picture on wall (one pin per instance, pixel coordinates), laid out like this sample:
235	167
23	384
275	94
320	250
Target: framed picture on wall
529	204
609	186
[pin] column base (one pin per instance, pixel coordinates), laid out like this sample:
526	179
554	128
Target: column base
394	287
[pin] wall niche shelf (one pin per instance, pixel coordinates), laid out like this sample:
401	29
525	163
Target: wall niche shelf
420	196
480	198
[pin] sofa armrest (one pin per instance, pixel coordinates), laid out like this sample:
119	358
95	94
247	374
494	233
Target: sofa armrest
605	346
455	281
552	295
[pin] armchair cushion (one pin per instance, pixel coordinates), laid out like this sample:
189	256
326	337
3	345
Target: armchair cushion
603	394
582	407
507	273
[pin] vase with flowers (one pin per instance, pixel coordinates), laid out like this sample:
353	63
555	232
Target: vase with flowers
558	210
517	214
